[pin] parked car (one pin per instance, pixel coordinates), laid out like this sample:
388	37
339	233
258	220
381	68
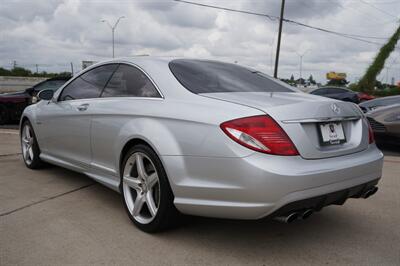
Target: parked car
365	96
338	93
203	138
12	104
380	102
385	123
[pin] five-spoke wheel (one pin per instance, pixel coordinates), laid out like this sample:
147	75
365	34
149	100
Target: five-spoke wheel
27	143
141	187
147	195
30	146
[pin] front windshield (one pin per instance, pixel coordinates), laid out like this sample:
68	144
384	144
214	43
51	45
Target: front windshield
50	85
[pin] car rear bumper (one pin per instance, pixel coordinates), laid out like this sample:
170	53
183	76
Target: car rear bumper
333	198
259	185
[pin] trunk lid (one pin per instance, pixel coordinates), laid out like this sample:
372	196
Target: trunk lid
301	115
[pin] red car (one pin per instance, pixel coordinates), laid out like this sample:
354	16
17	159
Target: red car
12	104
365	97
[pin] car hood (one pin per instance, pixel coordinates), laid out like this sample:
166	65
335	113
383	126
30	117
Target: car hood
384	110
13	94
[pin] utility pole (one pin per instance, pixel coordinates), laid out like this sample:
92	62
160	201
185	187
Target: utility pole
14	64
113	30
37	69
278	47
72	69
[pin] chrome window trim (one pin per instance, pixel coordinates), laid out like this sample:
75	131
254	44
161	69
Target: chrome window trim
148	76
59	92
56	97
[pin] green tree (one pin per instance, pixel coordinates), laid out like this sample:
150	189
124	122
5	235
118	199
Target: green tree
20	71
311	80
4	72
367	82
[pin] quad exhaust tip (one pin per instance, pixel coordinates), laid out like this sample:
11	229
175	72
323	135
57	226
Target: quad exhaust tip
295	216
370	192
291	217
307	214
287	219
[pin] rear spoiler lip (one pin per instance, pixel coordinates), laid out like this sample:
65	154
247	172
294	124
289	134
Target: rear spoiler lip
322	119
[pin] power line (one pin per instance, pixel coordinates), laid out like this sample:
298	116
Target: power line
345	35
274	18
377	8
356	9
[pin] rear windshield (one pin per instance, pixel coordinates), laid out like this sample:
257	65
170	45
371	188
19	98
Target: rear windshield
209	76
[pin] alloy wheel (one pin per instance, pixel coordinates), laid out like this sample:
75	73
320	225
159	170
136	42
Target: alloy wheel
27	141
141	187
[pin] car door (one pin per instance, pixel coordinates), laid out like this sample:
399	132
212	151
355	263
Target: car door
65	123
123	100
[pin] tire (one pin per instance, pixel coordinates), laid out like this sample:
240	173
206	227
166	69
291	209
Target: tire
4	115
146	193
30	147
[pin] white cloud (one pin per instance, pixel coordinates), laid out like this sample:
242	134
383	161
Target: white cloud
55	33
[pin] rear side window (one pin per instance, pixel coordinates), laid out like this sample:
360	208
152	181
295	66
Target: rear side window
209	77
336	90
88	85
320	92
128	81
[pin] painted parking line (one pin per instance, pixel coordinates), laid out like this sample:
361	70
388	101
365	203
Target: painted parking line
391	161
9	131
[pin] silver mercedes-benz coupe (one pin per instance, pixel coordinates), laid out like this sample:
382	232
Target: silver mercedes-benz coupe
199	137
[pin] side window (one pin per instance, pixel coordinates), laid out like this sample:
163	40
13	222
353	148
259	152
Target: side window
320	92
128	81
88	85
335	90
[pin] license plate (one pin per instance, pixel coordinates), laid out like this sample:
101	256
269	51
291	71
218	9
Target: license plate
331	133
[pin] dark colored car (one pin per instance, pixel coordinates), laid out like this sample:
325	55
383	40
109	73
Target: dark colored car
337	93
385	122
12	104
380	102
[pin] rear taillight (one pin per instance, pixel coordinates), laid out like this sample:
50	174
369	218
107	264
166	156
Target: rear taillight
260	133
371	138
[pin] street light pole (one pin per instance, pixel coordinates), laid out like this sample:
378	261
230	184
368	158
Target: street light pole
301	63
113	30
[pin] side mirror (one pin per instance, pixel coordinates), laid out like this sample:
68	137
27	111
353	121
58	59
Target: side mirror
46	95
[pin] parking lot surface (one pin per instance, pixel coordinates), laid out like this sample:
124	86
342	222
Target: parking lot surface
55	216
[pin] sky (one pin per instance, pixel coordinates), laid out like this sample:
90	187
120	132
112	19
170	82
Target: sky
53	33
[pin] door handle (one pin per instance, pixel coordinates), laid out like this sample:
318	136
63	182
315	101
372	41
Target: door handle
83	107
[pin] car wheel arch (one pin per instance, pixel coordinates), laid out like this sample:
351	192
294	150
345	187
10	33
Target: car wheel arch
23	119
128	145
134	142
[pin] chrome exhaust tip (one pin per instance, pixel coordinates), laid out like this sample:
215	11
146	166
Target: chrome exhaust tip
370	192
287	219
307	213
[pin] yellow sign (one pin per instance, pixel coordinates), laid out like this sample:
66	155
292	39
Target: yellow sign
336	76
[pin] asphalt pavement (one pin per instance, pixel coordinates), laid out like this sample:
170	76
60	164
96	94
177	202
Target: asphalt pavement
54	216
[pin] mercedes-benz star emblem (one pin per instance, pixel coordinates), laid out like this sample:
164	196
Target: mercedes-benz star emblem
335	108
